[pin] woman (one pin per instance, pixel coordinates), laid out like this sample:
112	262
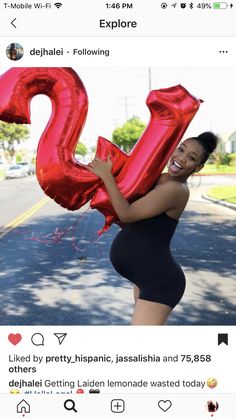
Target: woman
13	52
141	250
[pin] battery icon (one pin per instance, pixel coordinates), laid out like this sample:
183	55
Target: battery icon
220	5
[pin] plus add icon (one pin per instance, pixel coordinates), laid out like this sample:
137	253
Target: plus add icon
117	406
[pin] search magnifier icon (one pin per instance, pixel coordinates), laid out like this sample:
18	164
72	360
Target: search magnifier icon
69	404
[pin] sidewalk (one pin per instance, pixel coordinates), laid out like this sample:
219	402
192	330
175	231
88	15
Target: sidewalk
219	202
200	184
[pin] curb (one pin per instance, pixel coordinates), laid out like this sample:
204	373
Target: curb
220	202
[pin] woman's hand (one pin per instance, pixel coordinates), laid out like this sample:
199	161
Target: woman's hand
100	167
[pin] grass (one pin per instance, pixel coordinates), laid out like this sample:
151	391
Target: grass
224	193
2	174
212	169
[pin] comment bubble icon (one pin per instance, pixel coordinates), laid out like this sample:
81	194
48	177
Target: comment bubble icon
37	339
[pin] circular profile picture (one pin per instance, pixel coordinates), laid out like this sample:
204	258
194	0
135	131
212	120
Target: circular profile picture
212	406
14	51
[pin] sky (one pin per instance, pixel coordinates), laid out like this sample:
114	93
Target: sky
109	88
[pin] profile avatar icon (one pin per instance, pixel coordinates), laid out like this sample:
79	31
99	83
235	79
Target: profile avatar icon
212	406
14	51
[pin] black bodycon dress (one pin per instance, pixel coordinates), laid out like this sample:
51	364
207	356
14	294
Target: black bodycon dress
141	253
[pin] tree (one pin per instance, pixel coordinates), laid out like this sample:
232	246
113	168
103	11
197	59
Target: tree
10	134
127	135
81	149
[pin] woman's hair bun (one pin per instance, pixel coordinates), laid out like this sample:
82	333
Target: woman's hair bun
208	140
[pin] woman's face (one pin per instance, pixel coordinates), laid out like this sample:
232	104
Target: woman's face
186	159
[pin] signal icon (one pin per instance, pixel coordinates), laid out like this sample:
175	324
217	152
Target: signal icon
58	5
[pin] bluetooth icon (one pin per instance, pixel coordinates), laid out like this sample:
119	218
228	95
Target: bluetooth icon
191	5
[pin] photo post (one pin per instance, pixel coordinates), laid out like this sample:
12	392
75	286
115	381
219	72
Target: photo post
118	198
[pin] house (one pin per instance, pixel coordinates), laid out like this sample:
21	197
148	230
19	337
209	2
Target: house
231	143
227	143
23	407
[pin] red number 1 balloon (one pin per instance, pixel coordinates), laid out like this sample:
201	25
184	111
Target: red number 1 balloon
172	110
61	177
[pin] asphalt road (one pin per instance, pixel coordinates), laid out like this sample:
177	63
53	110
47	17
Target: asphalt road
53	272
17	196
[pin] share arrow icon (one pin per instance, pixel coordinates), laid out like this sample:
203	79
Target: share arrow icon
60	337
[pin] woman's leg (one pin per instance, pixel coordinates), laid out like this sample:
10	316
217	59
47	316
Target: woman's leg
150	313
136	293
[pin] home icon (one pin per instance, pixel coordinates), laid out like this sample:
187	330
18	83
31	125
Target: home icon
23	407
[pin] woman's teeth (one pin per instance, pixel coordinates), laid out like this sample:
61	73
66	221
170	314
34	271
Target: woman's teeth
176	166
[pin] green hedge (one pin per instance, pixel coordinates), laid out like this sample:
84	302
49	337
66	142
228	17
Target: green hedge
232	159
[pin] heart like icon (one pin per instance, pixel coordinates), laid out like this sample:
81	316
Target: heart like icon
14	338
164	405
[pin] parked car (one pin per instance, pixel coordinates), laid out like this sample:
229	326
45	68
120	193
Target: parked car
30	169
15	171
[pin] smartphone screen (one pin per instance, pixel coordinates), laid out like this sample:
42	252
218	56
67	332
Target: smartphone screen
118	198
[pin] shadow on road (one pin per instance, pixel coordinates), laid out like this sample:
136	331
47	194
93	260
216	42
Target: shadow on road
204	244
205	248
56	284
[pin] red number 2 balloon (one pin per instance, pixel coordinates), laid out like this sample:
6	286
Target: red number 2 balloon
61	177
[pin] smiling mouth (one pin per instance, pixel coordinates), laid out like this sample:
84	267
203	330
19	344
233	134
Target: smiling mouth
175	167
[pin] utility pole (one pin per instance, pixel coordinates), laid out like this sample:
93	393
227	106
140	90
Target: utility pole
126	108
126	105
149	79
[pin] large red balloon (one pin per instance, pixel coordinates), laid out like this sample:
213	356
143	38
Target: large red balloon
172	110
61	177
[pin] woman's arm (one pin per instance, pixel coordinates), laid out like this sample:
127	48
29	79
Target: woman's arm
165	197
103	170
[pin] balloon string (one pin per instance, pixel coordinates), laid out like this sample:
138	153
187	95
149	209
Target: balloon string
94	240
58	234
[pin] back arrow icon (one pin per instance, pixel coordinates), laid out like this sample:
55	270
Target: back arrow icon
12	22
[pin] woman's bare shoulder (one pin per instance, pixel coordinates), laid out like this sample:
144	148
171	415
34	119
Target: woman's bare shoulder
165	197
180	195
174	186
